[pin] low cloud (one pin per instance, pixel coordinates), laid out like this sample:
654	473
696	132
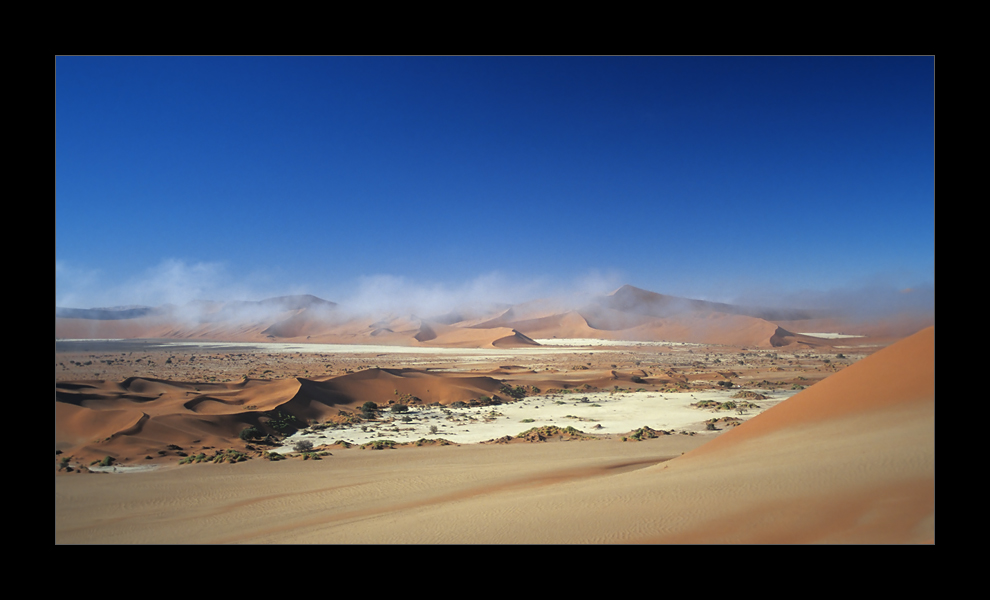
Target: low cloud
171	281
185	285
873	300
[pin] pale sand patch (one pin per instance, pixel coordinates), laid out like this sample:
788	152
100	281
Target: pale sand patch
285	347
832	336
616	413
594	342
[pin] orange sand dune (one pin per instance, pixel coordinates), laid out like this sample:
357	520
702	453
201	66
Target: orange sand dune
899	377
710	328
562	325
384	386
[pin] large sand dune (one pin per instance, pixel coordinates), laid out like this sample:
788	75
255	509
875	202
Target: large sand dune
141	417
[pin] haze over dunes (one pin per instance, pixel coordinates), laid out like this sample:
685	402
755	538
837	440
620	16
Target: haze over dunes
628	313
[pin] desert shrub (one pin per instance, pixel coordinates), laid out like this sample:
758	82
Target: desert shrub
433	429
379	444
517	392
400	408
303	446
107	461
436	442
281	421
646	433
251	433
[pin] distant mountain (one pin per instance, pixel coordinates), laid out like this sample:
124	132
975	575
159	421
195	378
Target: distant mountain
215	310
106	314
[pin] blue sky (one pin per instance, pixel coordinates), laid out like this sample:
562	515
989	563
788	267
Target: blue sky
725	178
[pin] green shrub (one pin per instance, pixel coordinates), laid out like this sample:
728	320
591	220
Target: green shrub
281	422
379	444
517	392
251	433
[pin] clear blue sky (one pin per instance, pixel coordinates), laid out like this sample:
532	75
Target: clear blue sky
705	177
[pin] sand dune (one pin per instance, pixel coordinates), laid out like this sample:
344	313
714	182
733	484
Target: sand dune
142	417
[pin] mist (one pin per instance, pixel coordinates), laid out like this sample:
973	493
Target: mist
865	301
209	291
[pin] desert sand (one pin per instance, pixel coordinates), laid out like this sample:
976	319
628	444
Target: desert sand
849	459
